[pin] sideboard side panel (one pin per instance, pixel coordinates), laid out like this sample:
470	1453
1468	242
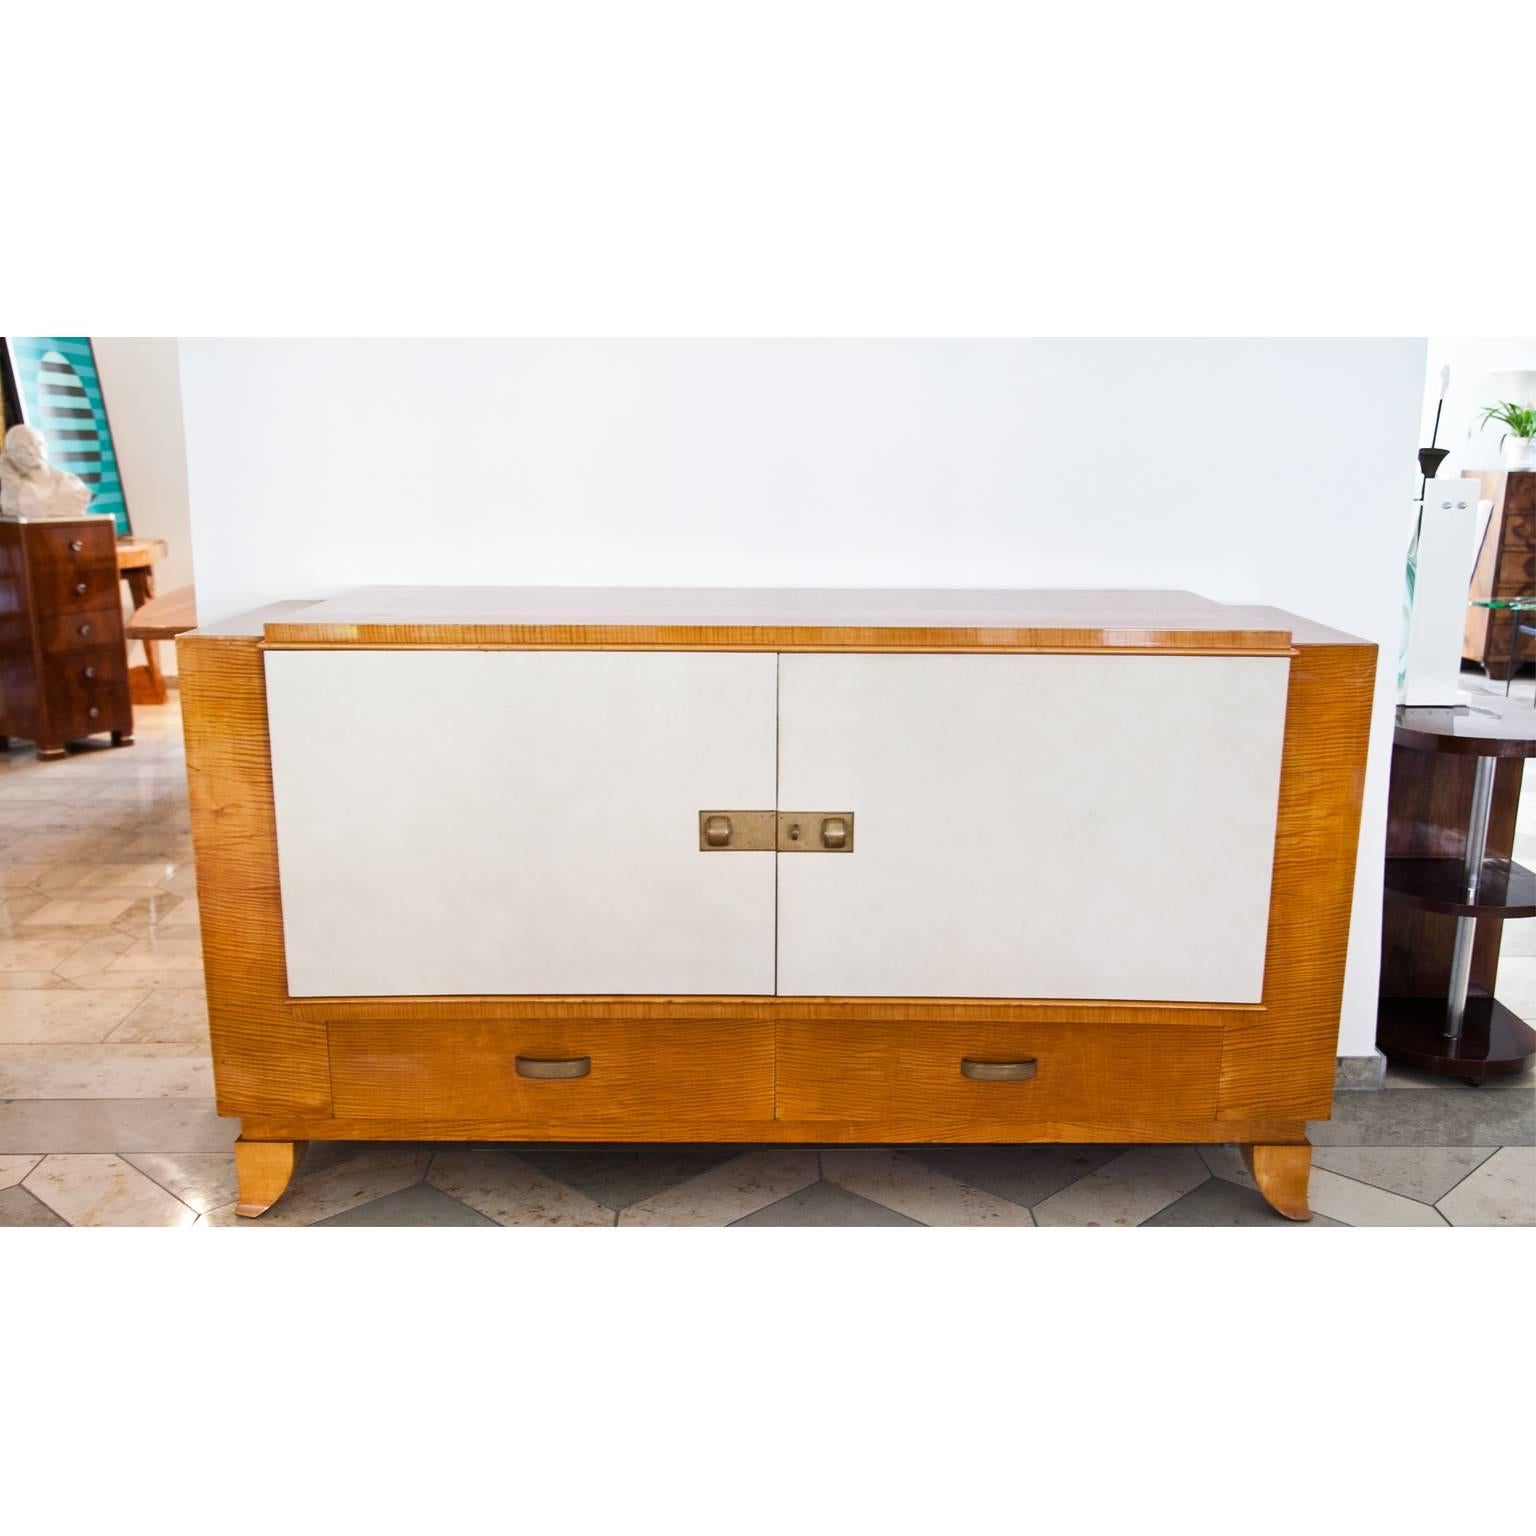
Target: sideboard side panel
1279	1064
266	1059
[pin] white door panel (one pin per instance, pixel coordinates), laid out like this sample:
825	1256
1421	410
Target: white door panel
520	821
1032	826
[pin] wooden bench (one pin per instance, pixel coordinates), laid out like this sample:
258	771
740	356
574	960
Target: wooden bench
161	618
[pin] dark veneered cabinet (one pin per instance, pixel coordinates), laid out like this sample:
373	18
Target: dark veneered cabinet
63	657
1505	568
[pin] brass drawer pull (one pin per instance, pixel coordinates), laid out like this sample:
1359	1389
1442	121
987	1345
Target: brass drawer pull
998	1071
573	1066
76	545
81	588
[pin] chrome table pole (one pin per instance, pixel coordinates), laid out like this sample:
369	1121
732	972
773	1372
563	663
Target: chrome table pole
1466	927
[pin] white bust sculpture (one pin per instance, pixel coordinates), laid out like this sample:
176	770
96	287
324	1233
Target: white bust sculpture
30	486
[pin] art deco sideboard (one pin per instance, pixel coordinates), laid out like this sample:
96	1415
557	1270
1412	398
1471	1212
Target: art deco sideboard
755	866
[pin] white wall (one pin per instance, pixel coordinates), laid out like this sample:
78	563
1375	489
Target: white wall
1473	363
1250	471
140	380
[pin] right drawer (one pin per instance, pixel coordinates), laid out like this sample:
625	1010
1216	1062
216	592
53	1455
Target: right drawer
968	1082
81	631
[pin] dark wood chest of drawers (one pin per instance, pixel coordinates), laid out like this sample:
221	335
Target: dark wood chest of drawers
63	658
1506	567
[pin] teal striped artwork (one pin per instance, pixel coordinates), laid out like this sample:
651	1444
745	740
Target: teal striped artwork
60	394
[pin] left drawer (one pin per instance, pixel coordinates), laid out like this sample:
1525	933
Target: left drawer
556	1075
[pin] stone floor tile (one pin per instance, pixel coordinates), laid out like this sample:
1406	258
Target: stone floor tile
95	955
123	877
1420	1173
20	1209
729	1192
1499	1193
422	1205
160	955
825	1205
1026	1175
60	913
57	1014
104	1191
911	1188
1363	1205
1399	1076
203	1180
1227	1162
117	1076
312	1196
14	875
184	914
30	981
60	877
14	1168
34	954
167	1015
151	981
1221	1203
1127	1190
512	1192
1499	1113
113	1125
618	1175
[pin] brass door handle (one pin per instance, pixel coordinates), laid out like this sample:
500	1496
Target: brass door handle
717	831
573	1066
834	832
998	1071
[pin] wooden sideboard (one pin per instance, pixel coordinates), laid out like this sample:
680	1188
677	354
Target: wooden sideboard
63	658
756	866
1505	567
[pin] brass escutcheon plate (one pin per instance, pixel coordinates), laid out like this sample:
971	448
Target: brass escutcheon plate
745	831
786	831
815	831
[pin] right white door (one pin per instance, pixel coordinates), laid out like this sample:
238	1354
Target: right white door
1031	826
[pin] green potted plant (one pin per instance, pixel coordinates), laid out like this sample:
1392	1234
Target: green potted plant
1520	424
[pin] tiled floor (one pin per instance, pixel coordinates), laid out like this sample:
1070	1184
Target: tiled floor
106	1112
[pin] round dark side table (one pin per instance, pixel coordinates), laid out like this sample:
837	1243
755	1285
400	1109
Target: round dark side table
1451	884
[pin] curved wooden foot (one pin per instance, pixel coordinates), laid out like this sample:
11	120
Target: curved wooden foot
1281	1174
124	738
263	1169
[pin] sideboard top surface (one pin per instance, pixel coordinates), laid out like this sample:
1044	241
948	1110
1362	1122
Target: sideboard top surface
783	619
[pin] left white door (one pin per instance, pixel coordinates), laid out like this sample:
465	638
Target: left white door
533	829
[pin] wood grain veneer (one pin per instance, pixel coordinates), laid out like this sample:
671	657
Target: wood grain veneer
848	1070
923	1130
265	1057
654	1080
554	618
910	1073
1282	1063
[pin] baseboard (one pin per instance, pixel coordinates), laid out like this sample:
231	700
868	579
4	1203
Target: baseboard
1361	1074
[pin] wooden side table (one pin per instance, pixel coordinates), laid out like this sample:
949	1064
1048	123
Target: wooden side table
1450	887
136	560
